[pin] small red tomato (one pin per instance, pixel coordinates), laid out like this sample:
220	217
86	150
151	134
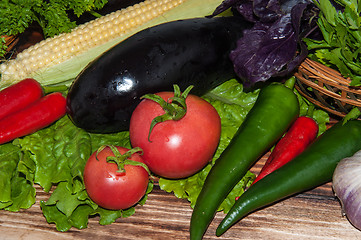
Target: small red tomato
112	189
176	148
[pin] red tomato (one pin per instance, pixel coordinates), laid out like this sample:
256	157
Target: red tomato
111	189
176	149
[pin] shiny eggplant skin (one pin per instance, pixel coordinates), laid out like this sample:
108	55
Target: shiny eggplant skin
184	52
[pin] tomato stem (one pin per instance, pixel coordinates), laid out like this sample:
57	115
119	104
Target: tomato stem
123	159
175	107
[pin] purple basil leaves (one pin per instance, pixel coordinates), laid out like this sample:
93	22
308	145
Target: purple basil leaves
273	47
264	51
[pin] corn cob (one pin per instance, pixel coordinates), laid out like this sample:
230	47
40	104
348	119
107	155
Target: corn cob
60	59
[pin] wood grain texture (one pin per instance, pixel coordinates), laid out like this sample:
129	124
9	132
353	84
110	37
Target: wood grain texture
315	214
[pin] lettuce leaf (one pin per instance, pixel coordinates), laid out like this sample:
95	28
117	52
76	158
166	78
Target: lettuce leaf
58	153
16	190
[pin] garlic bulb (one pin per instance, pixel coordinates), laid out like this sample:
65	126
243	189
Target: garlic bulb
347	187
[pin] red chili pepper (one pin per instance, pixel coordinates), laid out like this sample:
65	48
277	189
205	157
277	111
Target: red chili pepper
19	96
302	132
34	117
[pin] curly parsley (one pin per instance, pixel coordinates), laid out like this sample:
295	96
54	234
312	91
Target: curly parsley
341	43
51	15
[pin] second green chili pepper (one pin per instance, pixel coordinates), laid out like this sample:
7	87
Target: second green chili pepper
313	167
273	112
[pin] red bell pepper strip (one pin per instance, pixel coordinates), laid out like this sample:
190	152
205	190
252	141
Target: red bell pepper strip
34	117
302	132
19	96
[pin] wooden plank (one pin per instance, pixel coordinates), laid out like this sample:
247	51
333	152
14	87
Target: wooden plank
315	214
305	216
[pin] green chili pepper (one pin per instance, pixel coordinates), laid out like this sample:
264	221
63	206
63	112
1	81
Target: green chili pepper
273	112
313	167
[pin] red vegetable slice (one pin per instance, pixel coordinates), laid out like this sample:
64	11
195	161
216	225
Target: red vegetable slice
32	118
302	132
19	96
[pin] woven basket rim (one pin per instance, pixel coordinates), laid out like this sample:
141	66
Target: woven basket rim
10	41
327	83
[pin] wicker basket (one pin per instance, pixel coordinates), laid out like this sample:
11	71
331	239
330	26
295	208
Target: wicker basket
326	88
10	42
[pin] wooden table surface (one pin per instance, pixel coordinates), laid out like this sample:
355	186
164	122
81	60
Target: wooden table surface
315	214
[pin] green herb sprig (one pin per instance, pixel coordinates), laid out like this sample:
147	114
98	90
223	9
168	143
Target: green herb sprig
340	48
52	16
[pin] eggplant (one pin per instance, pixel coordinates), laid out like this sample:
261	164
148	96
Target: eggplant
184	52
